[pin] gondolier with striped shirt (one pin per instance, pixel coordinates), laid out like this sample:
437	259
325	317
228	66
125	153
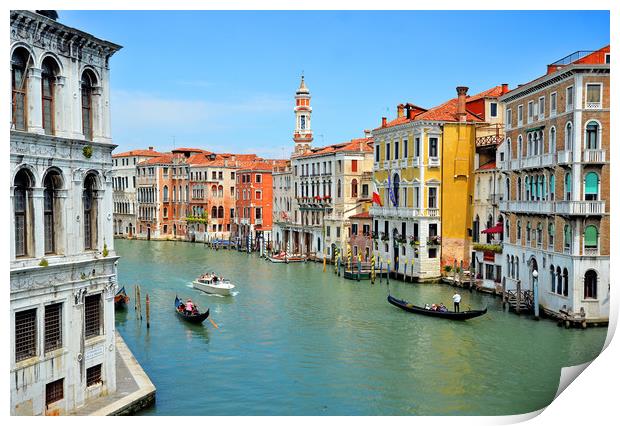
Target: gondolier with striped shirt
457	301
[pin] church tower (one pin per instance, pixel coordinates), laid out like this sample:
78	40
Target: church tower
303	132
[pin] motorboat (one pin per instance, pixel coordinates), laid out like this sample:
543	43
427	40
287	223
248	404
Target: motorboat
212	284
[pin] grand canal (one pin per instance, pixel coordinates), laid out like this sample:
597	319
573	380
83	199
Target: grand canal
297	341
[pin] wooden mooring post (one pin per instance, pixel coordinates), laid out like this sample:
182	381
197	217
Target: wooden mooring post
148	311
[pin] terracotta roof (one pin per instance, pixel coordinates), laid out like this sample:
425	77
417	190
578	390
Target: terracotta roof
362	144
446	112
362	215
488	166
165	158
493	92
199	150
138	153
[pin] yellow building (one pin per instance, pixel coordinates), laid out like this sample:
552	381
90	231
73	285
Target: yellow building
423	168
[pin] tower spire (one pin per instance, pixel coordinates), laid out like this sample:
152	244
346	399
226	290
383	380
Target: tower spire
302	136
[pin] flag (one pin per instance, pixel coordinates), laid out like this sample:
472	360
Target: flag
376	198
390	191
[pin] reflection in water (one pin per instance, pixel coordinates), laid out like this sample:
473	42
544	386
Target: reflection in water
297	341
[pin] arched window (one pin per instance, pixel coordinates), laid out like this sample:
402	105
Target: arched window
591	186
568	136
552	137
51	210
165	193
552	187
591	237
568	184
590	285
517	267
508	150
551	235
20	61
552	278
24	221
220	191
339	189
558	276
396	189
354	188
519	146
568	238
519	189
507	226
174	193
518	230
214	192
592	140
476	229
213	212
529	144
89	201
507	189
186	192
220	212
527	188
565	282
488	225
528	231
87	85
49	71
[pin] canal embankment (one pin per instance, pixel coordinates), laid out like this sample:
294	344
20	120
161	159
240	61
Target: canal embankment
134	389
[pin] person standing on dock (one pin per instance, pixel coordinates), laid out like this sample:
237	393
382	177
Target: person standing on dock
457	301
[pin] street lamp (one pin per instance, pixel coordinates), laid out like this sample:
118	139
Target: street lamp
535	288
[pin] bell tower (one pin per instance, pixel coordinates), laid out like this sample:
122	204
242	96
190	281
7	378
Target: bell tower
303	132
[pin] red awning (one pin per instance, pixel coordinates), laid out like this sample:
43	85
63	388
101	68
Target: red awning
497	229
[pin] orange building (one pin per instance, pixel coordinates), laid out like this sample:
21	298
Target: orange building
254	201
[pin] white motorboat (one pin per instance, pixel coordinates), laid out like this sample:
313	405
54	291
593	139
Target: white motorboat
213	285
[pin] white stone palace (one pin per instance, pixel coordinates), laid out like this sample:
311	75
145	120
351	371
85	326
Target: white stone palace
62	260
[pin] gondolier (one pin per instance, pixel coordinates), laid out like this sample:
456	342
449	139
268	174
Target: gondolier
457	301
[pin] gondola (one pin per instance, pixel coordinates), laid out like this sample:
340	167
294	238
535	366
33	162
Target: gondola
459	316
121	300
193	318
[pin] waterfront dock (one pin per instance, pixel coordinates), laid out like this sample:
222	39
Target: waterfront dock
134	389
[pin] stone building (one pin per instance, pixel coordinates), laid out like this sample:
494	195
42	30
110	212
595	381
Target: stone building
282	203
556	206
329	184
124	184
424	161
62	260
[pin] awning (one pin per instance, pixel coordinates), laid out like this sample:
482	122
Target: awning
497	229
534	129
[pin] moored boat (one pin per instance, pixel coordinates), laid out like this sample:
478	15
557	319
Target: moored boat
194	316
285	258
465	315
213	285
121	300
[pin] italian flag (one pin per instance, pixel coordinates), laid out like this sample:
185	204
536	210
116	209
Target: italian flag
376	198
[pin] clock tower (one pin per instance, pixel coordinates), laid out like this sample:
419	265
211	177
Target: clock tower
303	132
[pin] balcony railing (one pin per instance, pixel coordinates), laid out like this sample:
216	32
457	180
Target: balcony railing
548	159
515	164
590	251
415	162
593	105
404	212
403	163
527	206
594	156
580	207
433	161
565	157
258	221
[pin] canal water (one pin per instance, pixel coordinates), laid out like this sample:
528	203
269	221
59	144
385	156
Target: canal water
297	341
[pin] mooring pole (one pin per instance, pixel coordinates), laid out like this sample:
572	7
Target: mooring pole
148	311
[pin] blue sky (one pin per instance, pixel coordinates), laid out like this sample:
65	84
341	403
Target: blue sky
225	80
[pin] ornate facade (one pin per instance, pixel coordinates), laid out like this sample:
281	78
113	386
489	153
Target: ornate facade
62	260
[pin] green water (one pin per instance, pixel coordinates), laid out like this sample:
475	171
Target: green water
297	341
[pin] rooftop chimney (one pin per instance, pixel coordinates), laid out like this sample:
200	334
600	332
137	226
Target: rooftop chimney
462	98
367	133
505	88
410	113
383	121
150	148
399	108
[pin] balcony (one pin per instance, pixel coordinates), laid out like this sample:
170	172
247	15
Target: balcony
593	156
403	212
258	221
433	161
533	161
594	105
395	164
565	157
515	164
403	163
415	162
548	160
590	251
580	207
386	165
541	207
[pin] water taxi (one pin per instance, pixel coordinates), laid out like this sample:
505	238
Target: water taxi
212	284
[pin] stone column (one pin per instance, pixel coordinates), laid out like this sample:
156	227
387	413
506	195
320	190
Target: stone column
61	243
97	114
37	210
35	106
59	106
12	222
577	138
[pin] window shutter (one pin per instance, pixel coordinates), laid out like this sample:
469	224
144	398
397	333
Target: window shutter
591	183
591	236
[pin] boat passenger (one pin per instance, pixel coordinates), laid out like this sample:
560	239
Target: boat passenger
427	306
189	306
433	307
442	308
